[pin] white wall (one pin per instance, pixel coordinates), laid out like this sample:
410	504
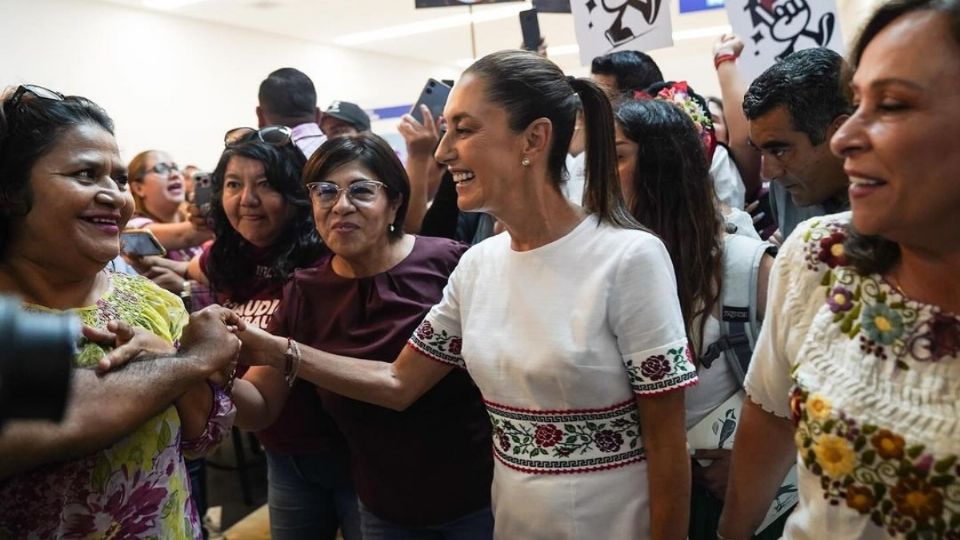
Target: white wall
177	84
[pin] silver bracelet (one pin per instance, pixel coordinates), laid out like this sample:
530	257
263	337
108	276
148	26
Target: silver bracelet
293	358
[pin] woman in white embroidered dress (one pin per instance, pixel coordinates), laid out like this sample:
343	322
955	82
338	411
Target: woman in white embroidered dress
861	342
569	323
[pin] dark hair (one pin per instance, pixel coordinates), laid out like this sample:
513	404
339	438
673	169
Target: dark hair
530	87
633	70
27	132
231	267
288	95
673	196
372	152
875	254
811	84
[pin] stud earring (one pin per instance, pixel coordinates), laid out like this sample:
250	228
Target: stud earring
525	161
392	228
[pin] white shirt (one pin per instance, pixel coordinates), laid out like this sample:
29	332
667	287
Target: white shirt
561	340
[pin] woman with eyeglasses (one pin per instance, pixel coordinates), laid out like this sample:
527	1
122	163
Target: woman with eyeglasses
159	191
568	324
113	467
420	473
260	213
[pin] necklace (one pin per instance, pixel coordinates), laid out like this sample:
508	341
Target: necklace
896	284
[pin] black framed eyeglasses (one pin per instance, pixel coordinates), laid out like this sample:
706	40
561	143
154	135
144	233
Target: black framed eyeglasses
362	193
163	168
272	135
30	90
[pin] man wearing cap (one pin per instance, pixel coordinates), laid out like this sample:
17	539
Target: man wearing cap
344	118
287	98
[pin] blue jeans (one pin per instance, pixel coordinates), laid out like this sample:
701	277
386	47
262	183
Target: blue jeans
310	497
473	526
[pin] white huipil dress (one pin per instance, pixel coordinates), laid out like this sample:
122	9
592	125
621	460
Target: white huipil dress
561	341
872	380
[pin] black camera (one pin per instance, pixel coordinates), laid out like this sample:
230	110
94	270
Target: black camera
36	360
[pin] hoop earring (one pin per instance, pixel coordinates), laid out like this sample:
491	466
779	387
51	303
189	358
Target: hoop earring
525	161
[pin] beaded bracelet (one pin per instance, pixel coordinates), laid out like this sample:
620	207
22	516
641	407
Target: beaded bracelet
292	361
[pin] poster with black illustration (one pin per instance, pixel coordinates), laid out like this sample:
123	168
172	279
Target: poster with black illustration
604	26
772	29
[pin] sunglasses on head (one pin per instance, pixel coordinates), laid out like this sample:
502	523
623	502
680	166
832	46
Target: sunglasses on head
30	90
272	135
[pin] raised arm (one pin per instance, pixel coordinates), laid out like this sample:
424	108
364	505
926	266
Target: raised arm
104	408
732	88
393	385
422	168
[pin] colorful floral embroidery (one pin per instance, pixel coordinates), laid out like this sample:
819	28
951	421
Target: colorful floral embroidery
673	368
566	441
868	309
903	488
441	345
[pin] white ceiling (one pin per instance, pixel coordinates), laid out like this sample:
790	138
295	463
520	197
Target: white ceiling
331	21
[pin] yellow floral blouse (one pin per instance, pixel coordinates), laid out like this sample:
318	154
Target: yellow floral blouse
138	487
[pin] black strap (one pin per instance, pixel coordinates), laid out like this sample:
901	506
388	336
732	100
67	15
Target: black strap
736	342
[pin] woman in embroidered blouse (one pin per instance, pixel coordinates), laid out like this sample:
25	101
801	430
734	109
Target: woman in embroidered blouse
568	324
861	343
114	467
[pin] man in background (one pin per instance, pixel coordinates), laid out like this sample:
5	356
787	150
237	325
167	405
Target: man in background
794	108
288	98
343	118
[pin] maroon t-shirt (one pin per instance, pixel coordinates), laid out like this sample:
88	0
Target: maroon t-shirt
303	427
430	463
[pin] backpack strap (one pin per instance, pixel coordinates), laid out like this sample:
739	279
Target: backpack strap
739	325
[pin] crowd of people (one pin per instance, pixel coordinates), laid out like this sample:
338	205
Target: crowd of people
512	334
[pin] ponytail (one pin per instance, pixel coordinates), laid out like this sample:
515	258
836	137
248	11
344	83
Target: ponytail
602	194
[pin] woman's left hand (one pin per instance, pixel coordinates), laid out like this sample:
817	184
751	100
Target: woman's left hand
128	342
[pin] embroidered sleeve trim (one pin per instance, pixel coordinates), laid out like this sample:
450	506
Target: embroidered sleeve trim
438	345
663	369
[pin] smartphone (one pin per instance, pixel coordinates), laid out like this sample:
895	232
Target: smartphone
140	242
530	26
202	192
434	96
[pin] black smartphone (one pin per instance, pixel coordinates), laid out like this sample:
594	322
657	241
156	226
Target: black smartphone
434	96
140	242
530	26
202	192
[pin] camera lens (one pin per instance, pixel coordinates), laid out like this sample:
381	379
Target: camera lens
35	366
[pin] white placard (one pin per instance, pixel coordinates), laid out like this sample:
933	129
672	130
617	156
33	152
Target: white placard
604	26
772	29
716	430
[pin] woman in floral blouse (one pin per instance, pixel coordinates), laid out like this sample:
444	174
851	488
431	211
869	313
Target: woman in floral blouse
114	468
857	371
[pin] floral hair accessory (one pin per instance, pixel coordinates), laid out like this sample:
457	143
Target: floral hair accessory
680	94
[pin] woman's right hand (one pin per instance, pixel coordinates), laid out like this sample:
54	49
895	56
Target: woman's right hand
212	337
